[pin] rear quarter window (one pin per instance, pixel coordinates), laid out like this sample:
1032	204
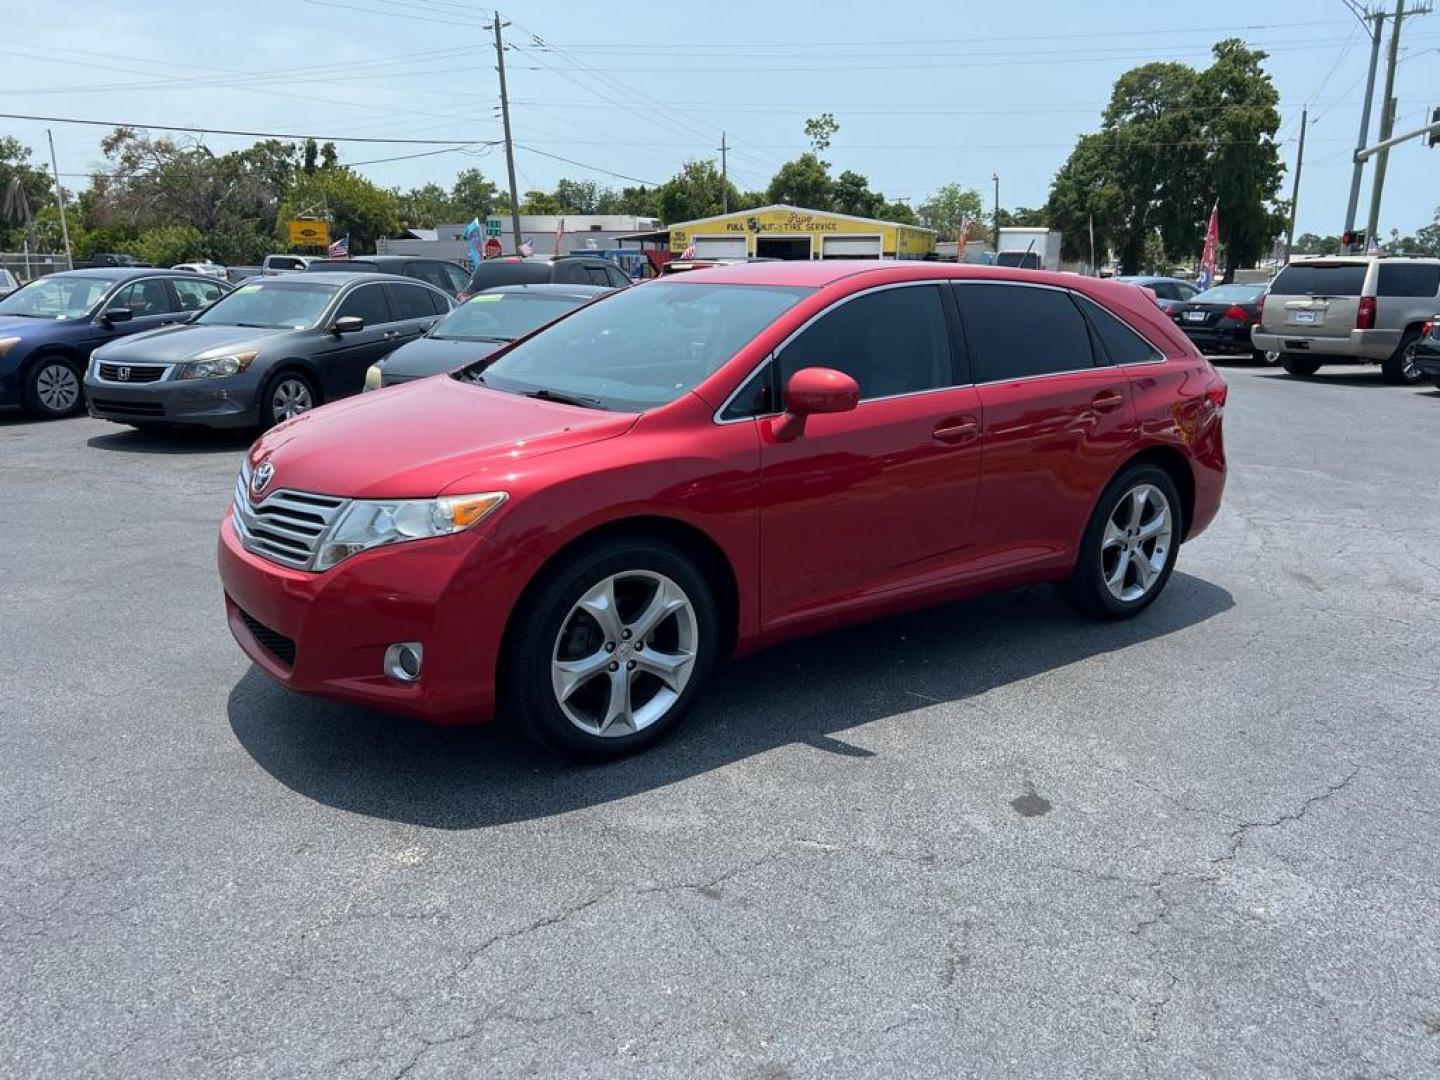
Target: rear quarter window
1322	279
1399	279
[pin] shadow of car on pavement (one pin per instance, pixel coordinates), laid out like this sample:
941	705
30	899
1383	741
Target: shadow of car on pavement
806	691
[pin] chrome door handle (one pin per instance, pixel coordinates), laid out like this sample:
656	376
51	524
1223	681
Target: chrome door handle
1107	400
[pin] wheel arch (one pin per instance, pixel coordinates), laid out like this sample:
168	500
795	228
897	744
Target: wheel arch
1180	471
299	366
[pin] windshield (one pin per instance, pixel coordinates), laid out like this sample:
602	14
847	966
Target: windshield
277	305
57	297
1320	279
1230	294
502	316
640	348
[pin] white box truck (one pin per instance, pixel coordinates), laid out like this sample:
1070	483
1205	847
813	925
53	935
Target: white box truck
1031	248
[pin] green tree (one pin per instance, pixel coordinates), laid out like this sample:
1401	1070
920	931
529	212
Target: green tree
472	196
578	196
34	182
1427	240
425	206
1239	102
949	207
540	202
1085	194
357	208
170	244
1024	217
697	191
852	195
805	183
899	212
820	130
1310	244
638	201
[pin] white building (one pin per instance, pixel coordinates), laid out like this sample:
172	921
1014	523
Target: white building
582	232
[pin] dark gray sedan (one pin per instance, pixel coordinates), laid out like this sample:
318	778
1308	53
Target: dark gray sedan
482	325
270	350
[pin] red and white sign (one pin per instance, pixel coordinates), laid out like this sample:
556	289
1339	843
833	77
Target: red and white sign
492	248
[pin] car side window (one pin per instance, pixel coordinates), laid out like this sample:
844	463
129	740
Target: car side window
368	302
1413	279
430	273
598	276
144	298
412	302
891	341
1123	345
570	272
456	277
1187	291
1018	331
618	279
194	295
440	303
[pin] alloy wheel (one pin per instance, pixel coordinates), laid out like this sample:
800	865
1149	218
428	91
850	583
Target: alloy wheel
624	653
57	387
291	398
1272	357
1136	543
1408	371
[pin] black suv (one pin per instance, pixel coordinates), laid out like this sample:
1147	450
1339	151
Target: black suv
546	270
447	276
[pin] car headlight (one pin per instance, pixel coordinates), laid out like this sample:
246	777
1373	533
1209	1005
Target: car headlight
372	377
8	343
369	523
216	367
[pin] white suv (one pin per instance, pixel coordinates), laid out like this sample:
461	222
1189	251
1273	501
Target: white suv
1362	309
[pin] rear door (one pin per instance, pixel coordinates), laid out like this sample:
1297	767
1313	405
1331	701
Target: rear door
414	312
1316	298
343	358
865	504
1058	416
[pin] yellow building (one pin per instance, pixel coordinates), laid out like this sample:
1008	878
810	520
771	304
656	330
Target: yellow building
785	232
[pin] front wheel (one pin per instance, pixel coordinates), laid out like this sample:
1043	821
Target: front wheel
609	652
52	389
1129	547
1264	356
1299	365
1399	368
286	396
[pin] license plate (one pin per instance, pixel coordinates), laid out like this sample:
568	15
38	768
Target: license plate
1302	316
1194	316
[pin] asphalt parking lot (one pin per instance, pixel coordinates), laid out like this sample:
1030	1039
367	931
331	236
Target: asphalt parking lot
991	839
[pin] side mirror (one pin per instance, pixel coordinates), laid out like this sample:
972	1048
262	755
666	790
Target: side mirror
347	324
815	390
117	314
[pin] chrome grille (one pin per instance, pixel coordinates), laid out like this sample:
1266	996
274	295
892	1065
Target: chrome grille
285	526
133	373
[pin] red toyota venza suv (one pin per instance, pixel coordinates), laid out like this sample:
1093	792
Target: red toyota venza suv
577	528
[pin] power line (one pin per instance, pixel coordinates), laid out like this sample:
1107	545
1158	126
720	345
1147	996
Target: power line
246	134
582	165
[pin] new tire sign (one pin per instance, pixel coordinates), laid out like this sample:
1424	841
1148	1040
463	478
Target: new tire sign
308	233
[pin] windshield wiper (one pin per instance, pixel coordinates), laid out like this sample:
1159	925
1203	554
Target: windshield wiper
544	393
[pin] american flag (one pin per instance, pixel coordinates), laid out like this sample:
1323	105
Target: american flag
689	252
527	249
340	249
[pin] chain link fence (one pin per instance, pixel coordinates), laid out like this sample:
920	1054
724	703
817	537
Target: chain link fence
26	266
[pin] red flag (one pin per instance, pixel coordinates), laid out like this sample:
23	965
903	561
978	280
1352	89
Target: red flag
1211	249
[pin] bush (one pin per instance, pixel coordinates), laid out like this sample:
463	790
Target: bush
169	244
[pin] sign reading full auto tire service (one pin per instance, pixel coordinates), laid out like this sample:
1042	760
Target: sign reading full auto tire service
308	233
815	234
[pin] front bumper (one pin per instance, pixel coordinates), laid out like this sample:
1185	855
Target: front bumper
1373	345
325	634
171	402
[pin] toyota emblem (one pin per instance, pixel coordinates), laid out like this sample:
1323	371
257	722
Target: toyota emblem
261	478
123	374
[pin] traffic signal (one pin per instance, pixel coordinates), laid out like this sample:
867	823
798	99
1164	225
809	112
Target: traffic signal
1433	139
1352	239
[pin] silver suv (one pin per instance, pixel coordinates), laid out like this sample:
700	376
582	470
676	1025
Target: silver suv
1349	310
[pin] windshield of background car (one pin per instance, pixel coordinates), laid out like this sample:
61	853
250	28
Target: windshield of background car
1320	279
57	298
502	316
276	305
642	347
1230	294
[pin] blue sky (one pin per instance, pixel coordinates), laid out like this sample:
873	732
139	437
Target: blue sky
926	91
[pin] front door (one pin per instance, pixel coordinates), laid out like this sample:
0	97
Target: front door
151	306
343	359
865	504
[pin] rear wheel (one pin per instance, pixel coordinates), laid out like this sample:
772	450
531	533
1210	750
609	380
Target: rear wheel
1399	369
53	389
609	652
1264	356
1129	547
1299	365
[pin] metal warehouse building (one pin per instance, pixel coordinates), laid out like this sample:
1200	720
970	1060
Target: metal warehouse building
786	232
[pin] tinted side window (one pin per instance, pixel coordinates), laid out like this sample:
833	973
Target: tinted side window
617	278
368	302
1015	331
1123	345
441	304
893	341
757	397
411	302
1398	279
571	272
145	298
1187	291
456	278
598	275
195	294
1320	279
1164	290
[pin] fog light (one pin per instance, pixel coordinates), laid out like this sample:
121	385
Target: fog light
403	659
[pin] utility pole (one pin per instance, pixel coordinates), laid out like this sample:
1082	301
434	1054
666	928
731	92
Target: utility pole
996	178
509	144
1376	19
724	177
1387	118
60	191
1295	191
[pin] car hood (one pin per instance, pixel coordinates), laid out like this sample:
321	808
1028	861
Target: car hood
20	326
420	440
170	344
431	356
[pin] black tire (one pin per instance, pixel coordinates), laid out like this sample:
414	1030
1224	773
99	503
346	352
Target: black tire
270	413
1399	368
1086	589
1436	380
1260	356
44	394
1299	365
527	692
